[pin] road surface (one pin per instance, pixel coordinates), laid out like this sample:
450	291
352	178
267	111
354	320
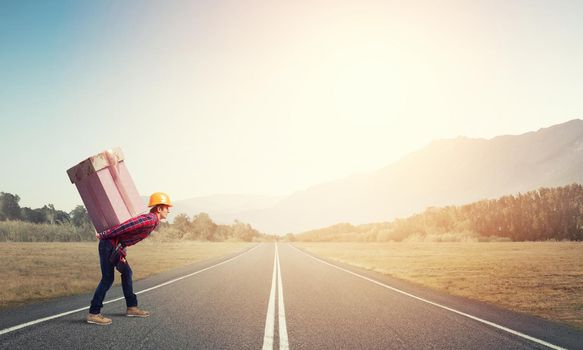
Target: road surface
276	296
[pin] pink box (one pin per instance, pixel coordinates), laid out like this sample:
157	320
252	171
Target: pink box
107	189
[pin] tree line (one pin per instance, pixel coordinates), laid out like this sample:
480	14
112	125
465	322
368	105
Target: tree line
544	214
46	224
201	227
23	224
10	210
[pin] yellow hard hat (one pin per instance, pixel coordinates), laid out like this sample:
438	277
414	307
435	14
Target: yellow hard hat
159	198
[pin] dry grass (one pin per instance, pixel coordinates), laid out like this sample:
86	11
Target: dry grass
37	271
540	278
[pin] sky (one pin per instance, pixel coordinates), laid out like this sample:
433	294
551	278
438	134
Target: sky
270	97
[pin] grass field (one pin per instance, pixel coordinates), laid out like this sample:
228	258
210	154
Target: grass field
539	278
38	271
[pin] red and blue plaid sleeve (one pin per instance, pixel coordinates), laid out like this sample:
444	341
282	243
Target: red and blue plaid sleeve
137	223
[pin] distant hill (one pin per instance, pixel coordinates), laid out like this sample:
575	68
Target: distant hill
223	208
446	172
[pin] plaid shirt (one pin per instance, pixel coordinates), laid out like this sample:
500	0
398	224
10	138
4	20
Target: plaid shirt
131	231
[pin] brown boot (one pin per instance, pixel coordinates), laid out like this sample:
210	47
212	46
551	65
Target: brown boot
137	312
98	319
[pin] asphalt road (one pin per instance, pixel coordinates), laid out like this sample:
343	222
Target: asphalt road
280	297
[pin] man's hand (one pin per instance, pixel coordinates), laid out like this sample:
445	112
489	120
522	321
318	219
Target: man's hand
97	236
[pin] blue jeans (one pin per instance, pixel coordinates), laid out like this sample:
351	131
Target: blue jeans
107	276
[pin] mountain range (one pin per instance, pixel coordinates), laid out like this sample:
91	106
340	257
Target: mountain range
445	172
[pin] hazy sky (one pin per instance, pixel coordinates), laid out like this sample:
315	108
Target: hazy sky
270	97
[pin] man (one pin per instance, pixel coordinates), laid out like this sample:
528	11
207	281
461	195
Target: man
112	255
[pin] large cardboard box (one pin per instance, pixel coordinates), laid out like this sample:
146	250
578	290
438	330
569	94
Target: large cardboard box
107	189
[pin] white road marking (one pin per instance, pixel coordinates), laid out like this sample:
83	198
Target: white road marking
23	325
270	318
283	342
522	335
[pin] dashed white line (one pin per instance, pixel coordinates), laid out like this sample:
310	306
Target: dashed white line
522	335
48	318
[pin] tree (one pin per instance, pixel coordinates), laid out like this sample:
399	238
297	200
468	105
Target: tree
80	217
182	224
54	216
9	207
203	226
244	231
32	215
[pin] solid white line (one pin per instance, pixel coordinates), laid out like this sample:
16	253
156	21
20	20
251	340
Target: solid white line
23	325
522	335
283	342
270	318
